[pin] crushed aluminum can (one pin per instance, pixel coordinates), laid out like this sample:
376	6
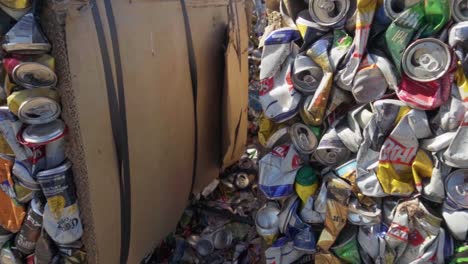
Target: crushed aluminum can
456	220
328	13
9	127
34	75
279	137
346	246
35	106
47	142
371	243
282	251
277	171
456	185
61	213
426	60
26	37
8	255
306	74
331	151
358	215
456	154
338	195
459	10
304	240
23	194
393	8
267	222
303	138
314	106
414	232
30	231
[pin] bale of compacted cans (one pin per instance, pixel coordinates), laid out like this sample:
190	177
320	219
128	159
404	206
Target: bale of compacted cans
39	215
365	123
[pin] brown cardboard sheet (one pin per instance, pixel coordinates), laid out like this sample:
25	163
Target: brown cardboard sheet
235	96
159	102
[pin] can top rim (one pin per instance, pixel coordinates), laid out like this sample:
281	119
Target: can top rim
410	48
26	104
22	65
44	133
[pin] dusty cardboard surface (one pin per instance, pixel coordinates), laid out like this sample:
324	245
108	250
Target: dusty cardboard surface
235	96
159	112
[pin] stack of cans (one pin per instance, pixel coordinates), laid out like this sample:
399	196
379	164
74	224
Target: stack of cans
365	132
39	215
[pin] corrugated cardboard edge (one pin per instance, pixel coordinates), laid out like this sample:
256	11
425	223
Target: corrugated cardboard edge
235	96
74	147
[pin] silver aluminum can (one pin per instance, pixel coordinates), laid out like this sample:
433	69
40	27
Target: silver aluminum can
393	8
303	138
426	60
328	12
34	75
456	185
39	110
281	136
459	10
306	74
26	37
332	156
267	221
47	142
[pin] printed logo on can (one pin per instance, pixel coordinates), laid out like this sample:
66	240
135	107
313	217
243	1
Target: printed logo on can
266	85
399	232
296	161
396	153
415	238
281	151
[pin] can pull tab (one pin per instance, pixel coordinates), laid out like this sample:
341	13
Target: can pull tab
462	189
327	5
304	141
429	63
309	79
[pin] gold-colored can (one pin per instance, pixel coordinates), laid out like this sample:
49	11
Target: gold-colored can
35	106
16	4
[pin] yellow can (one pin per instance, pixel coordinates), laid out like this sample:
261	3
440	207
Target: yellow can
35	106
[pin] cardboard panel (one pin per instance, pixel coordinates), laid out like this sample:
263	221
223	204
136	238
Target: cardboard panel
159	103
160	124
235	96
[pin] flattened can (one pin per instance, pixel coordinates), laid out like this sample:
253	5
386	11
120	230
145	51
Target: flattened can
393	8
456	185
303	138
267	222
459	10
426	60
26	37
328	13
346	246
47	143
35	106
30	231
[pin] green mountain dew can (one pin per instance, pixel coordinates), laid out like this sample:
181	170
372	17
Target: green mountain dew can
346	246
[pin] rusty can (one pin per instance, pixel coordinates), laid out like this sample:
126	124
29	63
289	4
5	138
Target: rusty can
31	229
